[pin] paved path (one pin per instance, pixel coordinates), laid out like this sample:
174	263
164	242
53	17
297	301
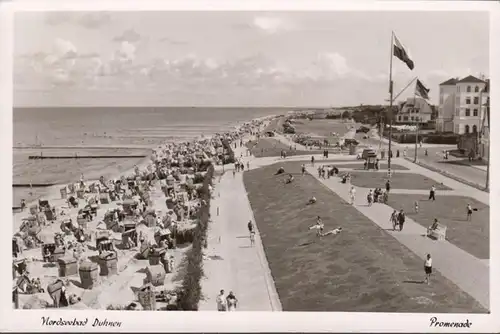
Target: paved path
468	272
475	174
229	262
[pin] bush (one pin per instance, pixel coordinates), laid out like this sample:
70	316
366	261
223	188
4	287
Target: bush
191	284
229	158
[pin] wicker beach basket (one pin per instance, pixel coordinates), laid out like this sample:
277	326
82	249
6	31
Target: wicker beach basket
89	274
34	209
104	198
147	298
156	255
58	253
108	261
64	193
150	221
144	250
67	266
155	275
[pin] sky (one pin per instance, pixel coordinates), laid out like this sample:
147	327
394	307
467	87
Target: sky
238	58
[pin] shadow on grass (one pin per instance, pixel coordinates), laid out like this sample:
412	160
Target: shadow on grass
414	282
243	237
246	246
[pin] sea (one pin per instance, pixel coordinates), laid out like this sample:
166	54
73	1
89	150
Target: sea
105	131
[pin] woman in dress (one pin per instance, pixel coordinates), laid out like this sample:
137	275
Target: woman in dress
231	302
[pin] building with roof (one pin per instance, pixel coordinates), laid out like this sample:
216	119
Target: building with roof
461	105
414	110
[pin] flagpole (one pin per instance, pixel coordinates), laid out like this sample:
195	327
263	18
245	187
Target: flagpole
416	130
389	154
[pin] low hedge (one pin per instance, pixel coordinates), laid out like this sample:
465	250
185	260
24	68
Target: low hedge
429	138
190	291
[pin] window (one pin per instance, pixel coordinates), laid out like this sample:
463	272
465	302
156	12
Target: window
467	128
476	89
457	112
399	118
458	89
441	99
467	100
405	118
476	99
412	118
475	112
467	112
474	128
468	89
457	128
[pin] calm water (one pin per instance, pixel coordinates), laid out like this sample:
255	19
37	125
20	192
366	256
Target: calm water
87	127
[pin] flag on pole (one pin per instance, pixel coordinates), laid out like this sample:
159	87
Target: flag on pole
421	91
402	54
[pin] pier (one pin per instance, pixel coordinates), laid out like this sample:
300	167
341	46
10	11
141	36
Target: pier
42	157
32	185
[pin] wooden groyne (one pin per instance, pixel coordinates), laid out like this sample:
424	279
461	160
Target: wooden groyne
32	185
83	147
42	157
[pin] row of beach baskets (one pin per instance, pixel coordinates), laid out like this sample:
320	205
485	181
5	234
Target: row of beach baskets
89	271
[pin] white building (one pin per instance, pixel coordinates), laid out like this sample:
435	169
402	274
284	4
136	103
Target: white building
414	110
461	105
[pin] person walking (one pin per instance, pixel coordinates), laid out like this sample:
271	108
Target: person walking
221	302
432	193
252	232
303	169
369	198
231	301
469	212
388	186
401	219
394	219
352	195
312	161
428	269
416	206
248	165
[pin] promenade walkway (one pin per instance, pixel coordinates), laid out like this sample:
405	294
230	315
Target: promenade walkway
468	272
230	263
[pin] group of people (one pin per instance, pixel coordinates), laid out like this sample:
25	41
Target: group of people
327	171
377	196
226	303
398	219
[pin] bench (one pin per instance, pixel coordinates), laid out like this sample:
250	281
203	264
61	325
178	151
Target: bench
439	233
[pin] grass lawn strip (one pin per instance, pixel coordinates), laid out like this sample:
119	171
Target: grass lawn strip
362	269
471	236
398	181
270	147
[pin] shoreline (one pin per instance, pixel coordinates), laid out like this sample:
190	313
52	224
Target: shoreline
127	277
53	192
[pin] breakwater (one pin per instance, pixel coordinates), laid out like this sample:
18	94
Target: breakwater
42	157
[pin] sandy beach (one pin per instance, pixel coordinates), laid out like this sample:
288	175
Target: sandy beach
146	186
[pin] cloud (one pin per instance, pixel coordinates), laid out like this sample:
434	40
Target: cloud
172	41
271	25
89	20
130	36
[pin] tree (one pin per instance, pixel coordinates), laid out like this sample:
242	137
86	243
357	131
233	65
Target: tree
346	114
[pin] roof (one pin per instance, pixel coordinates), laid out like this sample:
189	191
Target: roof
449	82
471	79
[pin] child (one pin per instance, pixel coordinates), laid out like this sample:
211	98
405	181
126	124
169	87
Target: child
469	212
416	206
